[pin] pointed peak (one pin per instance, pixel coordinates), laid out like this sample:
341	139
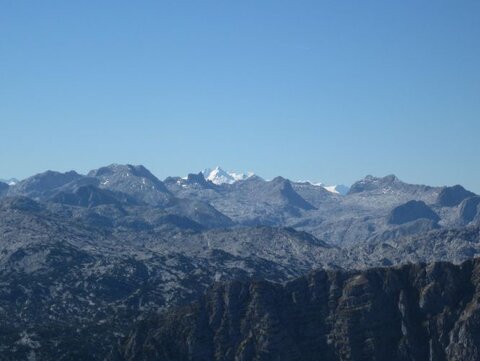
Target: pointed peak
219	176
279	179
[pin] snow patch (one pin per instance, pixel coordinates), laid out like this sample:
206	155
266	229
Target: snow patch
336	189
10	182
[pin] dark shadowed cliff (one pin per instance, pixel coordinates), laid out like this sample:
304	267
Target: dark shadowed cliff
414	312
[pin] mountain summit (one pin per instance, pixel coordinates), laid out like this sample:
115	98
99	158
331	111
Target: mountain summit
219	176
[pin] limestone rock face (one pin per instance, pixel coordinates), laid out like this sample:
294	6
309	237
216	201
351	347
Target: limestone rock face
413	312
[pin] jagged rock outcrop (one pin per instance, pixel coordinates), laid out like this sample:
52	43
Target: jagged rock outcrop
414	312
198	178
453	196
412	211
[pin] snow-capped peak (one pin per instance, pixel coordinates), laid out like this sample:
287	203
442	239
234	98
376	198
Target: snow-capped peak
219	176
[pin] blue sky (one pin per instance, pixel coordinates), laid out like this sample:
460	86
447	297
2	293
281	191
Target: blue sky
322	90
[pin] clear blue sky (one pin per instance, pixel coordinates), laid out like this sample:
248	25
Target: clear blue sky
321	90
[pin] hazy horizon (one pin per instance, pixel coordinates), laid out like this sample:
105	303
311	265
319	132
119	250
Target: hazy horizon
245	171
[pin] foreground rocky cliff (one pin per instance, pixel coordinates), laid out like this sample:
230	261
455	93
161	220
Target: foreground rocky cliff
413	312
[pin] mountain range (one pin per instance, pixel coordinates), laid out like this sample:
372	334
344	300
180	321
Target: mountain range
218	176
118	264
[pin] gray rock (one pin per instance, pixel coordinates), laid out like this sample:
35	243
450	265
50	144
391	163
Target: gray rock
136	181
91	196
412	211
469	210
453	196
414	312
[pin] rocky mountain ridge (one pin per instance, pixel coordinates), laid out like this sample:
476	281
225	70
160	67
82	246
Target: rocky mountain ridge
413	312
